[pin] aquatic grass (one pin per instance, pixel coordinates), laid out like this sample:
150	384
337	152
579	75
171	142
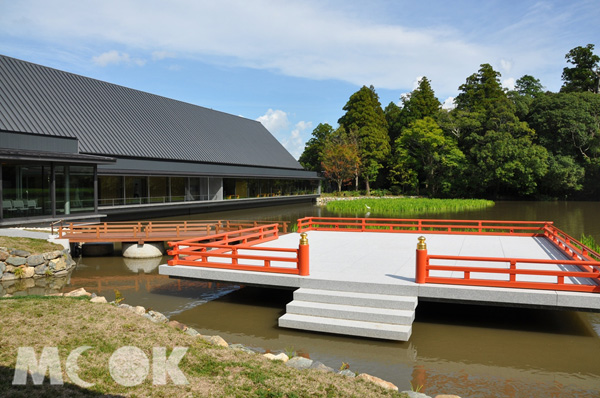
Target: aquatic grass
401	207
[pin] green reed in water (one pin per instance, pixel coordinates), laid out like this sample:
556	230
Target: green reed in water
400	207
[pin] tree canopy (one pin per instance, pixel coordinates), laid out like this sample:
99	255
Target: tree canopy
585	74
365	116
497	143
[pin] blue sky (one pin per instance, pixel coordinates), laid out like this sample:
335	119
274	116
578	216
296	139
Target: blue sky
294	64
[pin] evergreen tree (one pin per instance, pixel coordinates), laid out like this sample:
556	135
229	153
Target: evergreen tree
423	154
585	74
420	103
311	158
526	89
503	157
365	116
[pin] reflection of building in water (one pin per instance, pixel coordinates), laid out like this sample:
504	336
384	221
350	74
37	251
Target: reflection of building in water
147	265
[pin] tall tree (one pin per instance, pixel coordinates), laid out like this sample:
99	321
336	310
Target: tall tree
418	104
340	157
585	74
568	125
502	152
365	116
526	89
311	158
425	152
392	116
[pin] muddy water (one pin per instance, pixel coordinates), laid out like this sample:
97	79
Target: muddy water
471	351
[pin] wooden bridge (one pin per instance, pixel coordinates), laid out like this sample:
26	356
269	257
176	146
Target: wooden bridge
155	231
364	276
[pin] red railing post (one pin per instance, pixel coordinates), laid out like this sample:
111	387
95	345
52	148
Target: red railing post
303	260
175	253
421	272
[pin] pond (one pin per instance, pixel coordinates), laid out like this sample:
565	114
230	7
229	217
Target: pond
468	350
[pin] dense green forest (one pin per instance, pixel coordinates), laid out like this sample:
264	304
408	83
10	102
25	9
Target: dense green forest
495	143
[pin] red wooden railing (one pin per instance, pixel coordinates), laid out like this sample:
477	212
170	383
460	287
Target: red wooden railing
471	227
236	251
154	230
579	274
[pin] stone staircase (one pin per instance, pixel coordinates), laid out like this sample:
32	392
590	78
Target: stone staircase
375	315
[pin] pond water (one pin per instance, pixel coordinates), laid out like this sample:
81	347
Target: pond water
471	351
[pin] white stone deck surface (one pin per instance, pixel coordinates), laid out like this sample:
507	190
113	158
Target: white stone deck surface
384	263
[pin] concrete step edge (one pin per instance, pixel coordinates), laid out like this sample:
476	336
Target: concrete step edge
350	310
346	327
357	299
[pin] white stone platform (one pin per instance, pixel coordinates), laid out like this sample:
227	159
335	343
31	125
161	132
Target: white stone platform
384	264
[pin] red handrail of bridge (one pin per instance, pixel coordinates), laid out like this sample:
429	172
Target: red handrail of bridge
231	250
142	231
391	225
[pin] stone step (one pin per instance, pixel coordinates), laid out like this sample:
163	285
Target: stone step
411	289
351	312
346	327
357	299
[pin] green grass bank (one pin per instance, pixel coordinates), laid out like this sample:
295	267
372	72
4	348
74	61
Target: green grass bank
212	371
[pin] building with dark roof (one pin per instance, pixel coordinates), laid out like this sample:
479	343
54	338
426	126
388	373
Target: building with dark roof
76	147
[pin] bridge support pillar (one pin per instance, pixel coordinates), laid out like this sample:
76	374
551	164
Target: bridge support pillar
145	250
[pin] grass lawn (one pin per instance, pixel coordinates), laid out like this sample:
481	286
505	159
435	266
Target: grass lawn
34	246
69	323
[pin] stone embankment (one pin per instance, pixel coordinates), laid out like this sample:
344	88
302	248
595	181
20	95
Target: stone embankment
291	360
20	264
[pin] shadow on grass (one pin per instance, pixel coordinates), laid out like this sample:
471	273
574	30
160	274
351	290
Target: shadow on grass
7	389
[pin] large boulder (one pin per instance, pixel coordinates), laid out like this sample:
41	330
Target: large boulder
35	260
58	264
20	253
380	382
52	255
16	260
41	269
28	272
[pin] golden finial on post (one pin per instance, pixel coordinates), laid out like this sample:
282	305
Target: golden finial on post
421	245
303	238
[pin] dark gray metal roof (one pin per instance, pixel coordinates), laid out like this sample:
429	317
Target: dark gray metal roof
117	121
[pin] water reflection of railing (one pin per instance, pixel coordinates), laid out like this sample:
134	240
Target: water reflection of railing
138	282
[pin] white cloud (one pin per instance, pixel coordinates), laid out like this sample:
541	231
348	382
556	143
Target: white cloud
302	39
275	121
114	57
160	55
449	103
347	41
506	65
509	83
416	82
295	142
